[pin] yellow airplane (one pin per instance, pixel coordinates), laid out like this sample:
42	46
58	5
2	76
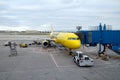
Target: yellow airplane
68	40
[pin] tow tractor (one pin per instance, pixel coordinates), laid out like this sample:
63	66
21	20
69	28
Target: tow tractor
82	60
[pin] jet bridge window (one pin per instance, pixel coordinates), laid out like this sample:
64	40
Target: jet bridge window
73	38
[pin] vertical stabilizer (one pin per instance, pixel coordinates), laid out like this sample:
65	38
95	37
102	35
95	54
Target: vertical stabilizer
51	29
51	34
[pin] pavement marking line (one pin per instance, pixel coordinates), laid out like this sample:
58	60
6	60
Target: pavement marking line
34	50
54	60
37	50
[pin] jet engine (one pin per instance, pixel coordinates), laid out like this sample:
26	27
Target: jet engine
46	43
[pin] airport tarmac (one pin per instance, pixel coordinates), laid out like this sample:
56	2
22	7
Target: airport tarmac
37	63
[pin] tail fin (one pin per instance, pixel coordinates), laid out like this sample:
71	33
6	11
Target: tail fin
51	29
51	34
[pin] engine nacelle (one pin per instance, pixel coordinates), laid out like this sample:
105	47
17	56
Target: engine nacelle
45	43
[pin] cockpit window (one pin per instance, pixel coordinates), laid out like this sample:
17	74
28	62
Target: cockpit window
73	38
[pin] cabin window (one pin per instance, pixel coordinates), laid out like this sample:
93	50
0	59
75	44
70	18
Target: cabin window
73	38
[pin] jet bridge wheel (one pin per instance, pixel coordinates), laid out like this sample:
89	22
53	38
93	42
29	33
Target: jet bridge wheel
101	51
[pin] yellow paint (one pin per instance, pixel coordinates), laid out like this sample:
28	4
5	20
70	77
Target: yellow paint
69	40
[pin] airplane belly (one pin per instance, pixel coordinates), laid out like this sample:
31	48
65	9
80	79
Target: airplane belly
72	44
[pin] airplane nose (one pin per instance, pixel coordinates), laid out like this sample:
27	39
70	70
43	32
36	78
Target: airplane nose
77	44
73	44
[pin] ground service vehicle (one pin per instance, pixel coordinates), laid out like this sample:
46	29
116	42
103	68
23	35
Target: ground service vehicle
82	60
24	45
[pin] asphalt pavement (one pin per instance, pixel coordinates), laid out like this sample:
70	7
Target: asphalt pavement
37	63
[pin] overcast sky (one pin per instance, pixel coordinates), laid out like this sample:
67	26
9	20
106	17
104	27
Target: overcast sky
62	14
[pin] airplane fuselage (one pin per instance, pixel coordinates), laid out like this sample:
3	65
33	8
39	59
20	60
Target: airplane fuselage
69	40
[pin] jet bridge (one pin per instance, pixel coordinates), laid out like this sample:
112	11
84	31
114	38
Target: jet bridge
102	36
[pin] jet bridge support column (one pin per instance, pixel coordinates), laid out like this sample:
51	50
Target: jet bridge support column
100	40
100	49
